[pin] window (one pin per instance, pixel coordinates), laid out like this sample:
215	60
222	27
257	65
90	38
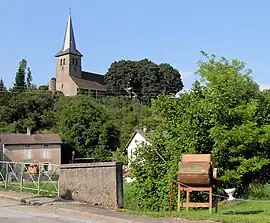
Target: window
73	61
27	152
64	61
61	62
47	167
76	61
46	146
45	153
62	85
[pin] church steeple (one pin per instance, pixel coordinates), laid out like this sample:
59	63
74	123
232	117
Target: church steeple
69	44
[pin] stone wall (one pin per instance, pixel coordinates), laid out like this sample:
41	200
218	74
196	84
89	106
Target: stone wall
93	183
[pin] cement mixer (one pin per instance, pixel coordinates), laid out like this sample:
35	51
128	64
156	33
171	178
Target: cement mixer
197	170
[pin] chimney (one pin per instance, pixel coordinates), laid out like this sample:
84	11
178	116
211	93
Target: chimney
28	132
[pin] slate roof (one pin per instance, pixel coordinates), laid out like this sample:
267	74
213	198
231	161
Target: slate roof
19	139
86	84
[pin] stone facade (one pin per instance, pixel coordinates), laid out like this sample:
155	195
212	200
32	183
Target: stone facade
94	183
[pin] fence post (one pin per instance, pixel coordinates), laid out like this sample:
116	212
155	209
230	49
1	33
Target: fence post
39	170
21	178
6	180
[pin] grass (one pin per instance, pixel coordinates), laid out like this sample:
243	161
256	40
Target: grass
242	212
46	188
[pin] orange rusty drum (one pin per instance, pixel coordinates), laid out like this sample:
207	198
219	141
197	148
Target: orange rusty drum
196	173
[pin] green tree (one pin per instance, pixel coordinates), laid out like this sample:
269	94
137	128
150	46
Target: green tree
19	84
224	114
2	86
82	124
29	79
143	78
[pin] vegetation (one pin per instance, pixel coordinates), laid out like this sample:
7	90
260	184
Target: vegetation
143	79
224	114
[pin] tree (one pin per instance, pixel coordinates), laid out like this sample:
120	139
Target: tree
82	124
2	86
19	84
143	78
29	79
224	114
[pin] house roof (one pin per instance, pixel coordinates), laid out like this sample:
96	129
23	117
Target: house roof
141	132
90	76
19	139
88	84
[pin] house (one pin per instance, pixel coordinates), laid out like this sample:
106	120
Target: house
31	148
139	138
70	79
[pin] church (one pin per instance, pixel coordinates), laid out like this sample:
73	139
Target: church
70	78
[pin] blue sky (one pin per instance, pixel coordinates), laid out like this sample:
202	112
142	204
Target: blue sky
172	31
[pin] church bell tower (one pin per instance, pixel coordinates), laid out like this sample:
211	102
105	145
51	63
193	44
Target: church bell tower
68	60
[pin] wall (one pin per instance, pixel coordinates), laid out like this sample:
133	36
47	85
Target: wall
93	183
16	153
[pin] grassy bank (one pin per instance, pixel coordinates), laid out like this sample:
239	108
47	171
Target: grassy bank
242	212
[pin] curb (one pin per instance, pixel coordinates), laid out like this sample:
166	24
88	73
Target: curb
91	216
11	197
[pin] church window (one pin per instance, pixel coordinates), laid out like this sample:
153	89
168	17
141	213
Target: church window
64	61
61	62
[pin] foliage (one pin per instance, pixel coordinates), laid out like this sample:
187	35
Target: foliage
19	84
224	114
2	86
142	78
260	191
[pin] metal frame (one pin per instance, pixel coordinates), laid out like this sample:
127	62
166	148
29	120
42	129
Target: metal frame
16	175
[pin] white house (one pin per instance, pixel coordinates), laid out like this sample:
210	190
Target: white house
138	139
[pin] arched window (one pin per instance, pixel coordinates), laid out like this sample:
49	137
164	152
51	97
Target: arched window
64	61
61	62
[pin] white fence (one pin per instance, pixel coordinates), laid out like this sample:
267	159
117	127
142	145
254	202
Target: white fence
41	178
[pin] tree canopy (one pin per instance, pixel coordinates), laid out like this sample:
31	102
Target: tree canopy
143	79
224	114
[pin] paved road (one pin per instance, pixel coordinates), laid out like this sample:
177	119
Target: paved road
11	212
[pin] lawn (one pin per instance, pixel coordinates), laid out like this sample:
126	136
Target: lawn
242	212
46	188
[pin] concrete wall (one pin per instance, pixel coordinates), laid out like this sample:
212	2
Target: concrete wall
93	183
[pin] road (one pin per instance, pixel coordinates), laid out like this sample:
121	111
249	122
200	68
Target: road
12	212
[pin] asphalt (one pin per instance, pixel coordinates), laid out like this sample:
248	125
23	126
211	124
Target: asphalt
24	207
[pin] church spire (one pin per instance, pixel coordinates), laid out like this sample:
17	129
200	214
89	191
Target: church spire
69	44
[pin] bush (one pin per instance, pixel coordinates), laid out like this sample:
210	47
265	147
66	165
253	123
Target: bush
260	191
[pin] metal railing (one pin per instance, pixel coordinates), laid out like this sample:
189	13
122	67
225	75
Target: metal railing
40	178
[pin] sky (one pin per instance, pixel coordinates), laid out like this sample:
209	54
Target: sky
173	31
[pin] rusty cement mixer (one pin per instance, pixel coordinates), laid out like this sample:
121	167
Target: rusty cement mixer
197	172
